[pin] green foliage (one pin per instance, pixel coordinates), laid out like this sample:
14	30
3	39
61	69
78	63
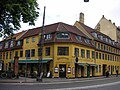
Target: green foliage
12	12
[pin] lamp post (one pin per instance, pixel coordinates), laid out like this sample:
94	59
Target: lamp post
40	72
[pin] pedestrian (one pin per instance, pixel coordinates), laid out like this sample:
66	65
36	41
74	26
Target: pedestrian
107	74
116	73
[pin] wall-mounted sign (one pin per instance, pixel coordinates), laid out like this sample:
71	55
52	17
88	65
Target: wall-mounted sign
56	70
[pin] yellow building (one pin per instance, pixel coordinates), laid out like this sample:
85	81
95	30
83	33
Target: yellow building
68	51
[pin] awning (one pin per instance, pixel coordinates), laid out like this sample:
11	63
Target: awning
93	64
33	61
81	64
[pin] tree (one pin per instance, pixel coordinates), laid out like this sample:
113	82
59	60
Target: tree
12	12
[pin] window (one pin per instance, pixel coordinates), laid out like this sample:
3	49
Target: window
11	44
76	52
93	54
103	56
39	51
79	38
98	45
27	54
21	53
96	55
82	53
99	68
62	35
101	46
48	36
10	55
99	55
88	54
33	39
16	53
63	50
18	43
47	51
94	34
0	56
6	55
6	44
32	52
27	40
87	41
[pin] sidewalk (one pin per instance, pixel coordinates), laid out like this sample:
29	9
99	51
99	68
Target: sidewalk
49	80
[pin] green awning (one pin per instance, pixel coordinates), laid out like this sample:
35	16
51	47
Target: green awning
93	64
33	61
81	64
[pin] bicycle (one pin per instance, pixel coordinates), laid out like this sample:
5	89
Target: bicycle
8	74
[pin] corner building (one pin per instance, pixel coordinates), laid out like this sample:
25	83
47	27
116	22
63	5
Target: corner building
69	51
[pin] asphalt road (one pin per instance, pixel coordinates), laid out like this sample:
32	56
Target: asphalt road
92	84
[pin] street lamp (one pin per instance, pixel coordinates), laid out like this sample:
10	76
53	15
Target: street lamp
40	73
86	0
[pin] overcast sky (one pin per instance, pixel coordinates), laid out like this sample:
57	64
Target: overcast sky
67	11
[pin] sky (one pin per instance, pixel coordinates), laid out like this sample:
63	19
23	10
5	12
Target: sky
68	11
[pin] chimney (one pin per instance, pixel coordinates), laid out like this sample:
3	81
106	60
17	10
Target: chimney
81	17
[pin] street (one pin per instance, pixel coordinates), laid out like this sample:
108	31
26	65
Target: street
87	84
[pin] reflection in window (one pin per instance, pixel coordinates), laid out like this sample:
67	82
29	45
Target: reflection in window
62	35
63	50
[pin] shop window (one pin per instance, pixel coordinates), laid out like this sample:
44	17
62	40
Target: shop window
63	51
47	49
99	68
82	53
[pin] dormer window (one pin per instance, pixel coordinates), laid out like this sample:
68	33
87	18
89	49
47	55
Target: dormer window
18	43
109	41
6	44
79	38
11	44
48	36
94	34
101	37
87	41
106	39
113	42
62	35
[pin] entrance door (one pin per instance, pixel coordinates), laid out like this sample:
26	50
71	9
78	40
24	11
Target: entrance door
104	69
82	71
62	71
88	71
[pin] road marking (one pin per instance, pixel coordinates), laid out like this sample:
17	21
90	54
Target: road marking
87	87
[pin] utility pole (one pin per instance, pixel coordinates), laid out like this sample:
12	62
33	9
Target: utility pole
40	71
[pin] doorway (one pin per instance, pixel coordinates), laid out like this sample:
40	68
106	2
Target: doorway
104	69
62	71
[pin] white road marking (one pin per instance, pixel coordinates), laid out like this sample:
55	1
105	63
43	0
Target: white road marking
87	87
